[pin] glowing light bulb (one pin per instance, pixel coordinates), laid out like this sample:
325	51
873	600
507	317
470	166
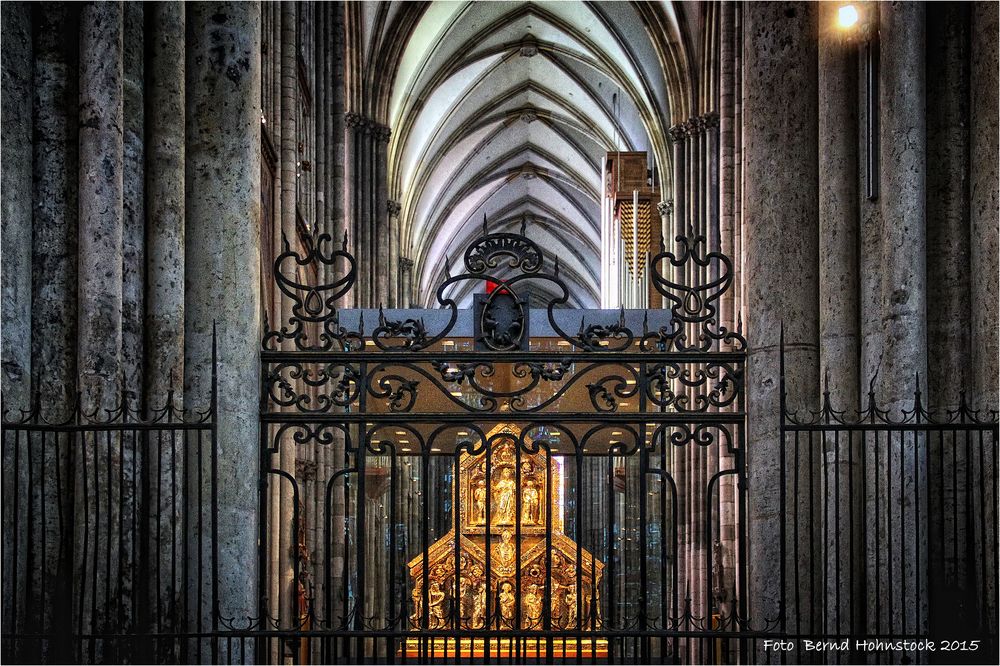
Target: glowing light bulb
847	16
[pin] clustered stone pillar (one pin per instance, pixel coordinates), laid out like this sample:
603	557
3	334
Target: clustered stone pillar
222	266
781	259
367	154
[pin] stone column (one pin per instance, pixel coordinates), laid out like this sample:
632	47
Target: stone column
902	308
395	283
984	265
948	353
164	317
101	214
983	204
16	184
53	301
134	223
838	304
288	161
781	259
222	265
406	277
100	285
165	114
382	222
53	313
15	190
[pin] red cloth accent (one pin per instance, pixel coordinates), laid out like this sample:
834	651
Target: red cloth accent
492	286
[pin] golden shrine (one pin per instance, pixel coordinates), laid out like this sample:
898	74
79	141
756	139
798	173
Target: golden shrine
568	611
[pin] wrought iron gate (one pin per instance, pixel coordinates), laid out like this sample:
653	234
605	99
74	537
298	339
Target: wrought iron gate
439	485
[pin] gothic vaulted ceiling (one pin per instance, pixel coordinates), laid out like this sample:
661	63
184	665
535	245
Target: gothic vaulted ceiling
506	109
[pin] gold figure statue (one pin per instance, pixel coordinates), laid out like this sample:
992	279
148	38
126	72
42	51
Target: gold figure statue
479	607
571	608
479	503
530	504
533	605
505	550
507	602
506	491
435	599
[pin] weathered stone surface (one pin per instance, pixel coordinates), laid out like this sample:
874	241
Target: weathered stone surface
16	206
15	190
838	304
781	248
902	304
53	315
838	210
53	307
101	214
947	184
983	208
983	205
165	150
133	201
222	267
164	316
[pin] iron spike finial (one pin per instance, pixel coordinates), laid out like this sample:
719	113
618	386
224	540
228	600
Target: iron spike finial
581	325
645	322
344	242
524	224
826	380
557	266
381	315
484	224
447	267
361	324
284	242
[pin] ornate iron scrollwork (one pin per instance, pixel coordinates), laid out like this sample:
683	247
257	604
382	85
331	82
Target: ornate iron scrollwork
315	305
694	307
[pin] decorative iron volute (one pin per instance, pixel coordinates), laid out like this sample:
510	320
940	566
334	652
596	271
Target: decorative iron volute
314	307
694	307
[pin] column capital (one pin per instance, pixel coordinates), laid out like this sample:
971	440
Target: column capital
405	264
665	207
393	207
677	133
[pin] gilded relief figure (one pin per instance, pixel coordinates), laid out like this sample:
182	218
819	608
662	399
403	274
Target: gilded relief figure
507	602
479	607
435	600
506	494
571	608
505	549
417	597
479	503
533	605
530	513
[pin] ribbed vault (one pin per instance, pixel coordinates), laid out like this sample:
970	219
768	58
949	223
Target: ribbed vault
506	109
